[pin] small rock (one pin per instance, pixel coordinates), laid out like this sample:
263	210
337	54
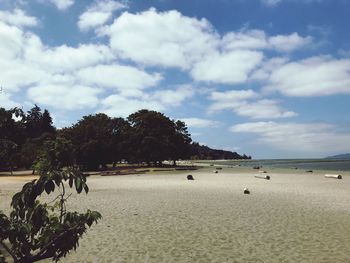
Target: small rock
190	177
246	191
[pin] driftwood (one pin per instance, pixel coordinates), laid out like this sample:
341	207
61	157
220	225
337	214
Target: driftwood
266	177
335	176
218	168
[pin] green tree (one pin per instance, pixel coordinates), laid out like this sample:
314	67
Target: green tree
36	230
181	142
98	139
46	123
155	137
8	150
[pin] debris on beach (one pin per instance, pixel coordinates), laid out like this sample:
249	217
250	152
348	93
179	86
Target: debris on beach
266	177
215	172
335	176
218	168
309	171
246	191
190	177
262	172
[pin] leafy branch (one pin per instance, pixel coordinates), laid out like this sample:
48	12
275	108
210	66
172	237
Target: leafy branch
35	230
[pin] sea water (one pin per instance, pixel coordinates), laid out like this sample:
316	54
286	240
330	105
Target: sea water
305	164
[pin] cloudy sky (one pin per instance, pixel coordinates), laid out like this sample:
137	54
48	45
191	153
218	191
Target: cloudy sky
269	78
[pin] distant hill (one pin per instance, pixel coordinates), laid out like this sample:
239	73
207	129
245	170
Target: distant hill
340	156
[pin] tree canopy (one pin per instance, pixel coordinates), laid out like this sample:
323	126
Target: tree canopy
97	140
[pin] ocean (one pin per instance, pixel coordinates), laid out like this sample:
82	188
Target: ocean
305	164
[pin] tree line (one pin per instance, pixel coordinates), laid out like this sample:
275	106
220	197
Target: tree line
145	136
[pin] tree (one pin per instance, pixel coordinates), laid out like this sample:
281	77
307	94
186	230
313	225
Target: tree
92	139
32	149
8	150
33	122
37	123
34	230
181	142
151	131
46	123
156	138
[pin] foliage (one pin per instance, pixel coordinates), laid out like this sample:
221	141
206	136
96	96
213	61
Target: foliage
97	140
201	152
8	150
25	130
37	230
156	137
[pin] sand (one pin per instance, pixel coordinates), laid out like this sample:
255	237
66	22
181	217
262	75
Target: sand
294	217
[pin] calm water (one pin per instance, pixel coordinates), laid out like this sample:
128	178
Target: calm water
306	164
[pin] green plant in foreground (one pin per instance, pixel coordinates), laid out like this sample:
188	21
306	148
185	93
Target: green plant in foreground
38	230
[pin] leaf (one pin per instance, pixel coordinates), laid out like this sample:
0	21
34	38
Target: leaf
71	181
86	189
49	187
78	185
57	179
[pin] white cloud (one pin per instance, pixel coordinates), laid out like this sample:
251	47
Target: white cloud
121	106
161	38
71	77
257	39
316	76
229	67
200	123
65	97
273	3
246	39
126	79
62	4
11	41
6	101
16	74
173	97
262	109
316	138
264	72
170	39
64	58
241	103
288	43
18	18
229	99
98	14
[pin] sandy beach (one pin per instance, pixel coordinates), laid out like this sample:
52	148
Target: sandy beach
162	217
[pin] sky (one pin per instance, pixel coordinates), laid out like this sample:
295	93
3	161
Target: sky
268	78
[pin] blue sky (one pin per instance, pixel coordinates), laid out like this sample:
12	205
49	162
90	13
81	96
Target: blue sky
269	78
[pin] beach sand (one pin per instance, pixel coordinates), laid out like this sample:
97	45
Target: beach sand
162	217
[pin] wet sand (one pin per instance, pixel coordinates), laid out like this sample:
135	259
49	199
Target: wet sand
162	217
